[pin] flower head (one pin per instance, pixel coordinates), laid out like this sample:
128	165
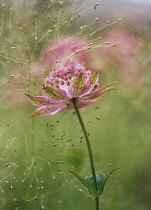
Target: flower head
64	49
127	56
67	83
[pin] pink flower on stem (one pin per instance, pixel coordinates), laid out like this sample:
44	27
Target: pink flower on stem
64	84
65	49
127	56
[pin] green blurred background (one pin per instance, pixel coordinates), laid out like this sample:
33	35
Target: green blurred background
37	153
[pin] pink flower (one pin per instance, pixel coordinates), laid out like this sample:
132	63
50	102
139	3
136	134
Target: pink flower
126	47
65	49
127	56
64	84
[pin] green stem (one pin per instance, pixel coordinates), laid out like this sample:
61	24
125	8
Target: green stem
88	145
97	203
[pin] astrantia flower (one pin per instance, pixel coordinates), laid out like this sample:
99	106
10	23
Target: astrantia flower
64	84
65	49
127	56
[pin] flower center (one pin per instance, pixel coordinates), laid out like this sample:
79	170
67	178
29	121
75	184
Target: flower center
63	77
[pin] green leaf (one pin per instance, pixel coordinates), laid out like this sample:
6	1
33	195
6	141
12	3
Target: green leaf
90	180
100	179
85	183
101	188
53	93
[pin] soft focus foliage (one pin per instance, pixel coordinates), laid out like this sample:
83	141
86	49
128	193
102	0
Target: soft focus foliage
36	153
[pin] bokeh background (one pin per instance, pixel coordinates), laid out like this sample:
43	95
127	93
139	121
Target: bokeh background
36	153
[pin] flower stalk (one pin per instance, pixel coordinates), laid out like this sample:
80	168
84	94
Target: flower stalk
71	86
89	149
97	202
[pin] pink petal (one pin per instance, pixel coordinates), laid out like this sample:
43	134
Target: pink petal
83	103
42	111
54	93
91	82
44	100
77	85
50	109
97	93
39	100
